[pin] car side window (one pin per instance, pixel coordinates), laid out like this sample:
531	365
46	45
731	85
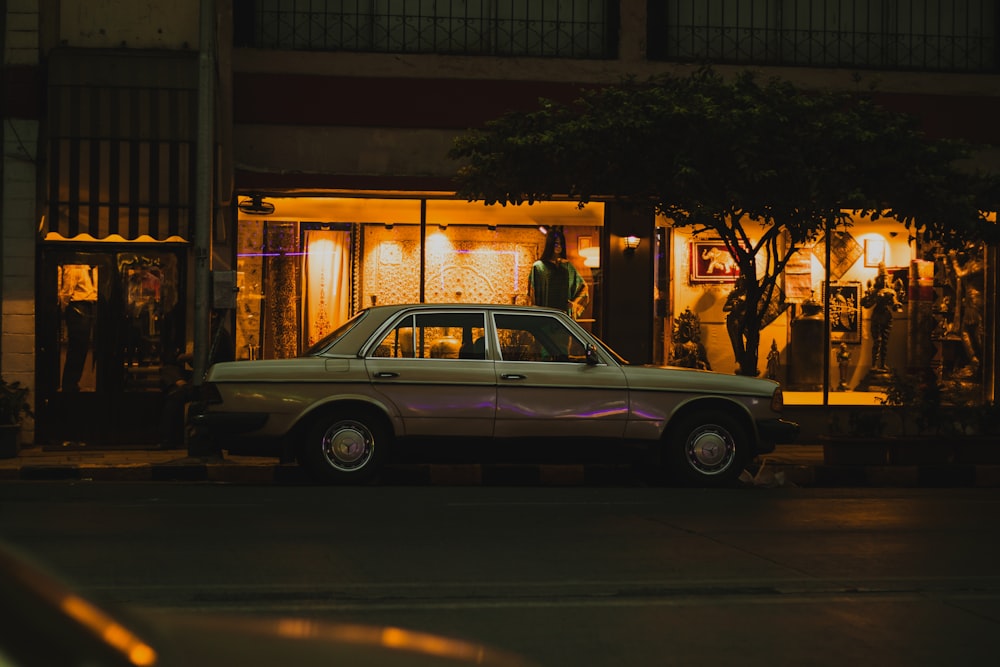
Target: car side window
538	338
436	336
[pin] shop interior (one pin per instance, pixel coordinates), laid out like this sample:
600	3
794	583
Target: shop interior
311	261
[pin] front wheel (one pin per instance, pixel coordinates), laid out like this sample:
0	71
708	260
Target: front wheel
708	448
342	449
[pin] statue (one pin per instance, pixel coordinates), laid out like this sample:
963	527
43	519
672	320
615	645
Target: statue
689	352
968	319
884	300
773	362
843	363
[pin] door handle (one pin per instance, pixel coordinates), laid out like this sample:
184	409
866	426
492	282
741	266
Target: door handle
386	374
511	376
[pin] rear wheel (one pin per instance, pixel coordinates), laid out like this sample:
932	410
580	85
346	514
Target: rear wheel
344	448
708	448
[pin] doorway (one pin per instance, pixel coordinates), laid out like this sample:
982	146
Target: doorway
108	318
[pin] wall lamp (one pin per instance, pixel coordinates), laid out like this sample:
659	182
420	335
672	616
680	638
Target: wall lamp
630	243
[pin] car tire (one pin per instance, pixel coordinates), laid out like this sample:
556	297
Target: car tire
708	448
346	447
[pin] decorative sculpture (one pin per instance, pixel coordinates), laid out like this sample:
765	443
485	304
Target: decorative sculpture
773	362
688	350
884	300
843	363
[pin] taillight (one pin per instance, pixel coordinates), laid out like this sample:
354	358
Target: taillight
777	400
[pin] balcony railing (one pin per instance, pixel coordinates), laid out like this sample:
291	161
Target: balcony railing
919	35
544	28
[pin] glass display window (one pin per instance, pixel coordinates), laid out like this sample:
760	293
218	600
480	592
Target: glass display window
855	306
299	276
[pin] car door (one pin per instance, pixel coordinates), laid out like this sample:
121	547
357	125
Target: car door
546	388
432	366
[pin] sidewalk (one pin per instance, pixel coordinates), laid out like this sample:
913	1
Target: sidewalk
788	465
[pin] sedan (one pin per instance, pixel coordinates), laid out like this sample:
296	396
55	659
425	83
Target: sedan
504	373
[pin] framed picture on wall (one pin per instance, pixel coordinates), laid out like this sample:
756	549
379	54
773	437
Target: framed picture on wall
712	263
845	312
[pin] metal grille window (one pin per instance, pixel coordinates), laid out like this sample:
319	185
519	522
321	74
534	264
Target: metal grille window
121	148
923	35
558	28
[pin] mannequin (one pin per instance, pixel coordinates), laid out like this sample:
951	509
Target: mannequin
554	282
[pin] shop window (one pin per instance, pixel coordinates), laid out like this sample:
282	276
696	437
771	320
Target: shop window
855	307
299	280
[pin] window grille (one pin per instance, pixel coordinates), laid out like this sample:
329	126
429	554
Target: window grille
920	35
553	28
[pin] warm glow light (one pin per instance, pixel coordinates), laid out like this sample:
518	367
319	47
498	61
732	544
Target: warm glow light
631	242
395	639
138	652
591	256
438	244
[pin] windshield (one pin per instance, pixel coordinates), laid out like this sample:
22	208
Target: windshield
329	339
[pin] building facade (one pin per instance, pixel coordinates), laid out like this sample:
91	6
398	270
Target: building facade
329	187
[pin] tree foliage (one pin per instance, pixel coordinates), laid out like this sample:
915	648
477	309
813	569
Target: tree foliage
763	165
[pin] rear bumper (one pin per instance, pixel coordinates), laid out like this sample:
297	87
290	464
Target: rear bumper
773	432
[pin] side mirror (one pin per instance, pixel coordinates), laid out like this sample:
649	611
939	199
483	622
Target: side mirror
592	358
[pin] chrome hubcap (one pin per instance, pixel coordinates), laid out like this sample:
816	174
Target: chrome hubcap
348	445
710	449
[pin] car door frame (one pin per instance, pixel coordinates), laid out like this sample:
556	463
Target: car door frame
435	397
564	399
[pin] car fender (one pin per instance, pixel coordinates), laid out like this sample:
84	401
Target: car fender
352	399
713	402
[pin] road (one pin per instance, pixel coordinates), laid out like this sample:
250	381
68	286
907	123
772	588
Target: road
562	576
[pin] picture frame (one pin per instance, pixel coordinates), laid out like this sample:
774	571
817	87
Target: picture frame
874	252
844	252
712	263
845	312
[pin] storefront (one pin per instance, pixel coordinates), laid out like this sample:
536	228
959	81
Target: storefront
850	314
311	262
306	264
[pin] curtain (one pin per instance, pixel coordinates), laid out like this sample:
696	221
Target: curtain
326	295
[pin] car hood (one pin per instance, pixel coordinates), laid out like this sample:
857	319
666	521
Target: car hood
688	379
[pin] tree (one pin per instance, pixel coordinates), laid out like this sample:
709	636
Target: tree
765	166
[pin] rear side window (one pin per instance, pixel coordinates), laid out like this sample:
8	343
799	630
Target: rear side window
435	336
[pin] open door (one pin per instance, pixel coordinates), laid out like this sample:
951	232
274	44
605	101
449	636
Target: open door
108	318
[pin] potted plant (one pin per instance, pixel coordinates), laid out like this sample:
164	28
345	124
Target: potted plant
14	407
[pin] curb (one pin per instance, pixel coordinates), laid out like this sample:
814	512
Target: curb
768	474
